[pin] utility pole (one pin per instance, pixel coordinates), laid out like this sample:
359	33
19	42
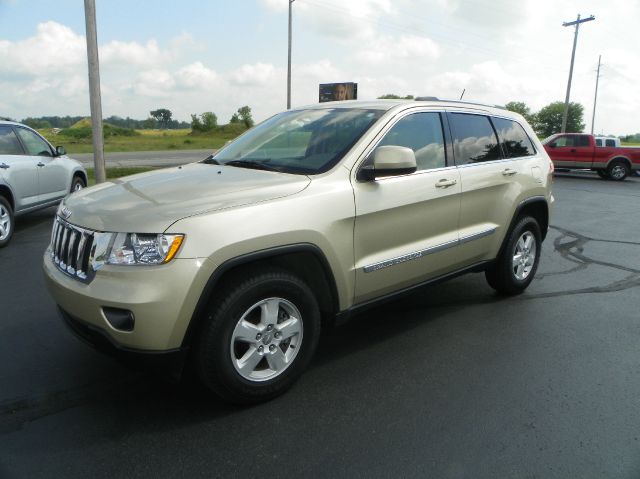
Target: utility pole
289	60
94	89
573	55
595	98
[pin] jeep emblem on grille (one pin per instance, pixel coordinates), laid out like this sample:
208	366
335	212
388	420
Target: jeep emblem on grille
65	212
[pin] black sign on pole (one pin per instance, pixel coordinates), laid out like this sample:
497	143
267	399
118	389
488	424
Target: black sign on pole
338	91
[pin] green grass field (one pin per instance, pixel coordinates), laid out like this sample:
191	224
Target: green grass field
147	140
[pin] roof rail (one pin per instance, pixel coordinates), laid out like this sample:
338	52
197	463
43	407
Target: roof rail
433	98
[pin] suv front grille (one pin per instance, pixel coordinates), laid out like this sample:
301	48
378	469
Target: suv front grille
71	249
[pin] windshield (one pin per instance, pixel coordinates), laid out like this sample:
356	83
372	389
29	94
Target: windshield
549	139
304	142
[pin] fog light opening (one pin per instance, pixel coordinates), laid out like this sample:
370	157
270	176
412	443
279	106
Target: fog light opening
120	319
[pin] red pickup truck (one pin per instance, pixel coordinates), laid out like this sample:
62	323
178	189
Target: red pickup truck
579	151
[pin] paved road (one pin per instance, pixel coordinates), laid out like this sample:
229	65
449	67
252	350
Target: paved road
145	158
451	382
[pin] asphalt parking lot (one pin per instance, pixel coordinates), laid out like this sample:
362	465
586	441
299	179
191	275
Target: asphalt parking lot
450	382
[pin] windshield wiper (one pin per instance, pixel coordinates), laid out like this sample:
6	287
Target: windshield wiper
210	160
256	165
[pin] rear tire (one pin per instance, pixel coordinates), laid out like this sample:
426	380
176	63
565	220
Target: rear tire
516	265
258	337
618	170
7	222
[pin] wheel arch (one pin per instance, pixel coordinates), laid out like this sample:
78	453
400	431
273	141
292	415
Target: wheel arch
621	158
538	208
305	260
7	194
81	174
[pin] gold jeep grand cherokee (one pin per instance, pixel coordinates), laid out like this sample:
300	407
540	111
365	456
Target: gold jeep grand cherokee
318	212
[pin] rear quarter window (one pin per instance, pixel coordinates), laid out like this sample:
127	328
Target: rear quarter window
513	138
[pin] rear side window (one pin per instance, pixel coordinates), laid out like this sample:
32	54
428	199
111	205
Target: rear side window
473	139
422	132
582	140
9	144
610	142
514	139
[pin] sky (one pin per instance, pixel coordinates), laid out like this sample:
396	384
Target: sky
194	56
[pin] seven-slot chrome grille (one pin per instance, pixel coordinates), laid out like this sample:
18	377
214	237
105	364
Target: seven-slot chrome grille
71	249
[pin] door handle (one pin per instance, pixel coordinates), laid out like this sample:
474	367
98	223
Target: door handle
445	183
41	164
509	172
4	166
572	150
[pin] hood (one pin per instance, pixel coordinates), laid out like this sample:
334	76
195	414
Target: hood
151	202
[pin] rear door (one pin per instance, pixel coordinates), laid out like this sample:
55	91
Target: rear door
492	179
17	169
406	226
53	179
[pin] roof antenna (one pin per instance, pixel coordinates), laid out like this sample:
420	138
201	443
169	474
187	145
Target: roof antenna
463	90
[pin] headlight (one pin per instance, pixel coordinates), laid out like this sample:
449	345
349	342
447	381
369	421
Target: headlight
134	248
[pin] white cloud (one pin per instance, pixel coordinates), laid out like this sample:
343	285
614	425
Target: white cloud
54	48
133	54
406	48
153	83
196	76
253	75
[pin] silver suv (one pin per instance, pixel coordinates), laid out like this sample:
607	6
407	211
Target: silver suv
33	174
316	213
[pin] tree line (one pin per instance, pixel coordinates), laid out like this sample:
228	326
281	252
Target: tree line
161	118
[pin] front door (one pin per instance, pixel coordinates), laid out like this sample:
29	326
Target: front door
572	151
52	176
406	226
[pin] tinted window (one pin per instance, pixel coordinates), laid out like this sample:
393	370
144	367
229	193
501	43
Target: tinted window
514	140
610	142
473	139
422	132
582	140
9	144
598	142
35	145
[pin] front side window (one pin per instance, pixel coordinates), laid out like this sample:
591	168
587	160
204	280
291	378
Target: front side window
35	145
422	132
473	139
514	139
304	142
9	144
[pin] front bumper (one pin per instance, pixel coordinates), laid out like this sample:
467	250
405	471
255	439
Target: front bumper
162	299
170	361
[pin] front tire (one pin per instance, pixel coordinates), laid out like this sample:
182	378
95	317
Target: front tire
516	265
77	184
7	222
258	337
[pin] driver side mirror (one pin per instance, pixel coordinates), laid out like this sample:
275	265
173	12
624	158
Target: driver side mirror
389	160
552	145
60	151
